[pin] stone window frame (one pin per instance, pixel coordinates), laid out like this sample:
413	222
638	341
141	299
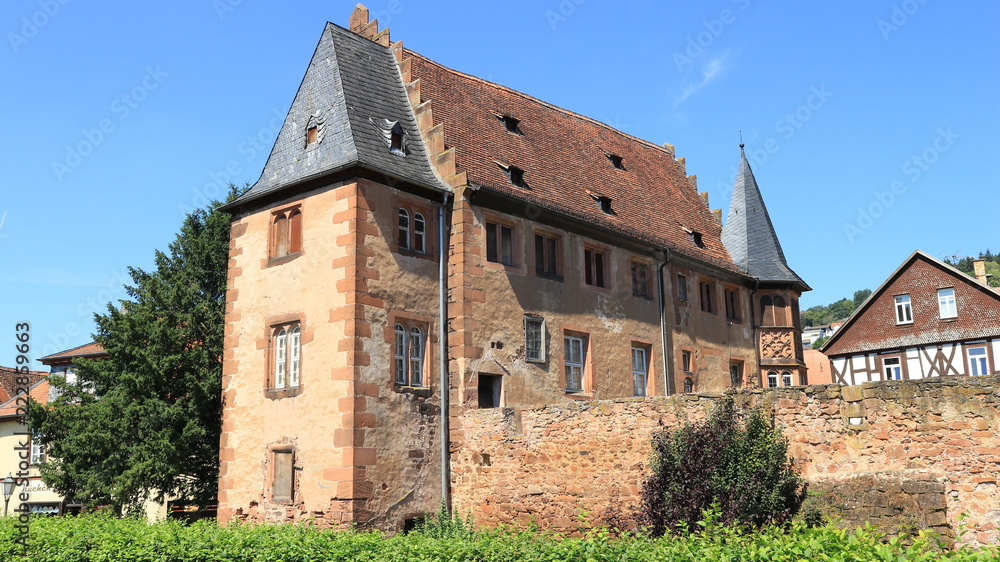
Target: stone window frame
285	226
273	326
733	302
543	356
643	289
516	227
586	390
547	254
595	270
427	326
736	379
707	297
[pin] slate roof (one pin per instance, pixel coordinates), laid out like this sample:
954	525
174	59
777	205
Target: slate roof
749	234
566	161
351	90
92	349
872	327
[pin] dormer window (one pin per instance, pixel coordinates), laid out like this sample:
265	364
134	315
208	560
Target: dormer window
616	161
312	135
604	201
696	238
514	174
396	139
510	123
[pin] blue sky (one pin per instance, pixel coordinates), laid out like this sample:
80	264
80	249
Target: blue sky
873	127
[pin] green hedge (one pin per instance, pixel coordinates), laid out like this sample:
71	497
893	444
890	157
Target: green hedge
106	539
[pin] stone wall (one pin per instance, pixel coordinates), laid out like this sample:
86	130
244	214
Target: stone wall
555	463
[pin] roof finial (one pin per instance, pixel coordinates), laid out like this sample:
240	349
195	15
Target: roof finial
741	140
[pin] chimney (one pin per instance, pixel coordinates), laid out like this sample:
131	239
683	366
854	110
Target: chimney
979	268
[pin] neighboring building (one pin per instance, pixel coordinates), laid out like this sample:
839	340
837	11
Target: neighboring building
61	363
927	319
812	333
17	443
818	366
418	229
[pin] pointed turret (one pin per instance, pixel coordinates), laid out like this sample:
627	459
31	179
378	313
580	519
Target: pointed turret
749	235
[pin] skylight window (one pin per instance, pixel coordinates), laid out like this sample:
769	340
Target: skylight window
616	161
510	123
603	200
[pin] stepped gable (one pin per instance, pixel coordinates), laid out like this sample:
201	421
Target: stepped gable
749	235
567	162
352	93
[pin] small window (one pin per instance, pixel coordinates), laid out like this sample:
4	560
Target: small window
510	124
286	233
548	250
312	135
732	304
409	350
707	292
404	229
286	347
904	314
772	379
696	238
786	378
978	362
616	161
686	361
688	385
604	202
489	391
946	303
282	484
574	360
640	279
640	370
682	287
419	233
534	339
516	176
499	243
37	448
594	264
396	141
736	374
892	368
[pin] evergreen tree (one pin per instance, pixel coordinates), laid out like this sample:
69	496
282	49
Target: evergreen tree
145	422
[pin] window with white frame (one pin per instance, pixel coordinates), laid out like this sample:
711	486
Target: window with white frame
688	386
534	339
408	353
640	370
772	379
37	448
786	378
946	303
287	349
575	356
411	231
892	369
978	362
904	313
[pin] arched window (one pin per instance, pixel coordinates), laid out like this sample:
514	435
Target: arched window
294	232
419	227
404	229
280	235
294	353
780	313
416	356
786	378
280	358
766	311
400	355
688	385
772	379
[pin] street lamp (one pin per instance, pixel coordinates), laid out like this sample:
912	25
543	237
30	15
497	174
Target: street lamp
8	490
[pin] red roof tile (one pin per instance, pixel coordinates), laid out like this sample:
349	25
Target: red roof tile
565	160
85	350
8	383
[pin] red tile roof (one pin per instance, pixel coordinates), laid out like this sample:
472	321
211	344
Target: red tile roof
566	165
85	350
8	384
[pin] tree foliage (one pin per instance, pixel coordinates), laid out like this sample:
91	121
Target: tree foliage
824	315
735	461
991	261
145	422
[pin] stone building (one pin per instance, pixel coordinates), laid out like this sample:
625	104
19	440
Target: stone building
927	319
422	240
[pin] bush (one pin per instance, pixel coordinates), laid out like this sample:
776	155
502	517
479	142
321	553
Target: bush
736	461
